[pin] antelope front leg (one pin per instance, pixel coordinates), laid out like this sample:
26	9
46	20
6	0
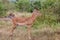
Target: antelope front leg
29	32
12	30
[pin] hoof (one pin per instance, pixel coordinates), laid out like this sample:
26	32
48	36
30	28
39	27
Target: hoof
29	38
11	34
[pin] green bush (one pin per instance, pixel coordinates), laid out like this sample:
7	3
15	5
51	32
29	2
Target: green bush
2	10
57	10
27	5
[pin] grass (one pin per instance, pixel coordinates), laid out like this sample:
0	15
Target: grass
44	32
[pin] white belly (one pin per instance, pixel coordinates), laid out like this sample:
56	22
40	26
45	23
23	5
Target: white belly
21	24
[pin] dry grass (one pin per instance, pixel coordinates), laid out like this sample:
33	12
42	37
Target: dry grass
20	33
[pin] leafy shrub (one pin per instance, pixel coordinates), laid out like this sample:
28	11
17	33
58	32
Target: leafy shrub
27	5
2	10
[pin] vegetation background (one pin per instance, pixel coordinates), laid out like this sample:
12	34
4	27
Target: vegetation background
50	10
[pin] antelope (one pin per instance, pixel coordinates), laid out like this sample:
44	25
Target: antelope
28	21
